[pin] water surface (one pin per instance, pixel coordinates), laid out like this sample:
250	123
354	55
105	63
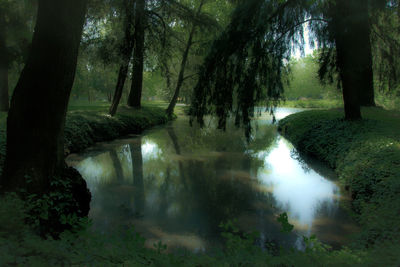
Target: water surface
177	183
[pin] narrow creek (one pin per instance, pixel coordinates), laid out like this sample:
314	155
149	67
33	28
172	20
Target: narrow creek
177	183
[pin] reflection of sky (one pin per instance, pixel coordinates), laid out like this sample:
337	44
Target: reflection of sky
150	150
93	171
296	191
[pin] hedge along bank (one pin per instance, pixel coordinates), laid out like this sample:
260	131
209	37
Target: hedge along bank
366	156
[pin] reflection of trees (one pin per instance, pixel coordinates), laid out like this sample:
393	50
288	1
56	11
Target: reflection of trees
137	173
192	191
217	188
117	165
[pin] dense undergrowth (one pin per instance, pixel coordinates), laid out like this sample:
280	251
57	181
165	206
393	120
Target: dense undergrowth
366	156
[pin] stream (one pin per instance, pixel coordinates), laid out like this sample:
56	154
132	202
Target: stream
177	183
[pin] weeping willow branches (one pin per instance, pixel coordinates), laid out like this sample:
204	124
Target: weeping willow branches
245	64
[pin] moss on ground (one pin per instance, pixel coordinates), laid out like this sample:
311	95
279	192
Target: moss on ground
366	156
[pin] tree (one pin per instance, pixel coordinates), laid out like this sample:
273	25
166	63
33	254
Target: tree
250	55
35	123
135	95
126	49
386	46
171	106
15	18
348	29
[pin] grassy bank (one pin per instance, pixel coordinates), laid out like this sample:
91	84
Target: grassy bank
313	103
366	156
87	124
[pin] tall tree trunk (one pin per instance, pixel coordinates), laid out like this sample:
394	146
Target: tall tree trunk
185	55
348	55
4	102
126	55
135	95
362	27
35	124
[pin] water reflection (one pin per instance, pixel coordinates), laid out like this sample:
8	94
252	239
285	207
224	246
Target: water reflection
177	183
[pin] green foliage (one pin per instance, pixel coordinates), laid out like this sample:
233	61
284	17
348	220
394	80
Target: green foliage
284	221
304	82
83	128
52	212
313	103
245	64
366	156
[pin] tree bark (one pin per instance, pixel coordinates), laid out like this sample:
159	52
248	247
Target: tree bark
363	34
4	102
135	95
35	123
171	106
348	55
126	56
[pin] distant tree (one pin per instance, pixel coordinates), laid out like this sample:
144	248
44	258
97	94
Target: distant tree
35	123
386	46
15	18
185	55
126	52
304	80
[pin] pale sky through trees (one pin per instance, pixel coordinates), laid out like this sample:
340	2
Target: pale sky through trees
307	49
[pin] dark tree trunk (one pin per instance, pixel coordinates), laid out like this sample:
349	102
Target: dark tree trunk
171	106
135	95
137	172
126	56
4	102
179	82
35	124
364	54
349	55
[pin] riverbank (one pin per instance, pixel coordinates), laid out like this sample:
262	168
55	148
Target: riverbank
87	124
366	157
312	103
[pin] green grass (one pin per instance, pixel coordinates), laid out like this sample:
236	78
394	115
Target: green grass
313	103
366	156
